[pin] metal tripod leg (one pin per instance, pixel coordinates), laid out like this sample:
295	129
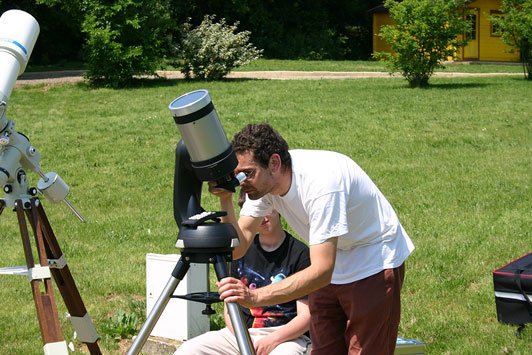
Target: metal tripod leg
244	341
241	331
179	272
79	317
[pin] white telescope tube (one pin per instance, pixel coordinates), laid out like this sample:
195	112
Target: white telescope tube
18	34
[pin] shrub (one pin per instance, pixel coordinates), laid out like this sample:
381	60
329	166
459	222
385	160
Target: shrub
125	39
211	50
516	28
426	33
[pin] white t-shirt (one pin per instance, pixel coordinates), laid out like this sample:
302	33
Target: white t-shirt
331	196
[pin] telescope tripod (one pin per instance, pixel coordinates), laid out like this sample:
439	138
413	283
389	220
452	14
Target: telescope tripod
51	261
219	257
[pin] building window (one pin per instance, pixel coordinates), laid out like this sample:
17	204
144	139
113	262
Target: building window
471	32
495	29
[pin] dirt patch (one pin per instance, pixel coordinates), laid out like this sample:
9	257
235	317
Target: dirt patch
73	76
153	346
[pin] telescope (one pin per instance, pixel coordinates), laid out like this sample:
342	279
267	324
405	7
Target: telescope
203	154
18	34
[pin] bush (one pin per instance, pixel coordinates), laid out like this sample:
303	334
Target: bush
516	29
125	39
426	33
211	50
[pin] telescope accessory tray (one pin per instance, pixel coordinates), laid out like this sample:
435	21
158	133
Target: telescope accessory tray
203	217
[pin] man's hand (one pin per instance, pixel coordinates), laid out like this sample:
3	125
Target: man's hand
234	290
222	193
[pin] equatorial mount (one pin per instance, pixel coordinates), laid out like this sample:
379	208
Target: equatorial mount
18	155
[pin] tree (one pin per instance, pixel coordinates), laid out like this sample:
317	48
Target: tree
59	38
211	50
426	33
324	29
515	26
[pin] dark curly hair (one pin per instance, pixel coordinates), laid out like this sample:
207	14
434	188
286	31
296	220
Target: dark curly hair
262	140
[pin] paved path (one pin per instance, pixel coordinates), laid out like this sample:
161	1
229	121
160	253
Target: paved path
70	76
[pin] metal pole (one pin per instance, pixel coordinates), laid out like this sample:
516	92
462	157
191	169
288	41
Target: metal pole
241	331
180	269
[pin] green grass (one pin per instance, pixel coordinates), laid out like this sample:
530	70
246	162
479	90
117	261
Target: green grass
330	65
372	66
454	160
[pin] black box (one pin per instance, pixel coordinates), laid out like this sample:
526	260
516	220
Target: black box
513	291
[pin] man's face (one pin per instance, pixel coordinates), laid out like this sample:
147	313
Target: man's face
259	180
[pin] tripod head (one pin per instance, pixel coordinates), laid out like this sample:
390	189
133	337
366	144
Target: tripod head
203	154
18	34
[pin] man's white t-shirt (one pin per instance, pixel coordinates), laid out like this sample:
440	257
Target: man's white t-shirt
331	196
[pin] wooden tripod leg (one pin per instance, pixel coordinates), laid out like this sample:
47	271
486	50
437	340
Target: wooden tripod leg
44	299
67	287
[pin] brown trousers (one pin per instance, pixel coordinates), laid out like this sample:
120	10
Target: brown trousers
358	318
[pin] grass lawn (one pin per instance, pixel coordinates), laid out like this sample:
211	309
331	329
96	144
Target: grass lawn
331	65
453	159
372	66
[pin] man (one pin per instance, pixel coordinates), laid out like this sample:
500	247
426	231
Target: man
280	329
357	244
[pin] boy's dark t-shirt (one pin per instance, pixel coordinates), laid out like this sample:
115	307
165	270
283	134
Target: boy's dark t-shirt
259	268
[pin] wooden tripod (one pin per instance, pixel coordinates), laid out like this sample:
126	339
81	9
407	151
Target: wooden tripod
51	261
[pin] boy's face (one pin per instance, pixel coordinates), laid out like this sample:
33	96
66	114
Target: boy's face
269	223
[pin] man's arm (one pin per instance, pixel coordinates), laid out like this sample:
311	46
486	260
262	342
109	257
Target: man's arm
249	227
246	227
314	277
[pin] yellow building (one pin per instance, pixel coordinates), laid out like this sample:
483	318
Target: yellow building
485	44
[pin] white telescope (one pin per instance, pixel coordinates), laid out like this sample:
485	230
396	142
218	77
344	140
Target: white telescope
18	34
